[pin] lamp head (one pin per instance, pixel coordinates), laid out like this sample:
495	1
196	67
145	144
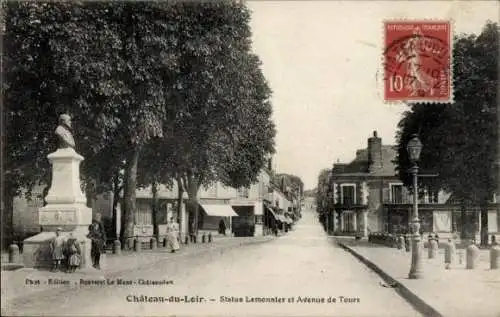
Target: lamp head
414	147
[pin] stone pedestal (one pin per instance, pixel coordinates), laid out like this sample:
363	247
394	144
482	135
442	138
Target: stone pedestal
66	208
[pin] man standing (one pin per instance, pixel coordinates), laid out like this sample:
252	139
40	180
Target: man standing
222	227
97	235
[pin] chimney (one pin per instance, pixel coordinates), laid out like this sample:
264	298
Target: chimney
374	153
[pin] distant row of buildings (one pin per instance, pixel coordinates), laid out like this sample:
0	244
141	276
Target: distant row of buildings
366	195
246	211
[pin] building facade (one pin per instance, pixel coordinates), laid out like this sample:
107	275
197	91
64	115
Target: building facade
368	196
241	209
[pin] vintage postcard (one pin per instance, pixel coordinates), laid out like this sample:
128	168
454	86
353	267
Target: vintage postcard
250	158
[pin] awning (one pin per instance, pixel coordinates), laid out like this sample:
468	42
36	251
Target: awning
272	213
219	210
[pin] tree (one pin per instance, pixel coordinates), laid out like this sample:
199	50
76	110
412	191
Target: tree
460	141
109	64
223	131
155	168
44	43
322	195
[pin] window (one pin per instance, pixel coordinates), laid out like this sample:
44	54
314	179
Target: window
396	193
348	192
243	192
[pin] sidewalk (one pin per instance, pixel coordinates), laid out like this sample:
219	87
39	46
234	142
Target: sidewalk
16	284
452	293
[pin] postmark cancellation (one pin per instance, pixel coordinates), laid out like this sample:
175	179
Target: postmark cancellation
417	61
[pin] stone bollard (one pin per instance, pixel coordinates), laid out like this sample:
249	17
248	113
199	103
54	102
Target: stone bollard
13	253
449	253
153	243
137	245
209	237
472	256
495	257
203	238
117	247
433	247
130	243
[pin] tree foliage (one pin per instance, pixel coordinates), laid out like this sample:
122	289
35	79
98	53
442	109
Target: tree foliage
172	82
106	63
224	131
460	140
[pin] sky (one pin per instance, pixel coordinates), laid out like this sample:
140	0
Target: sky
322	60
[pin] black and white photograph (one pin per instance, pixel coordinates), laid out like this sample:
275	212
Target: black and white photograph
250	158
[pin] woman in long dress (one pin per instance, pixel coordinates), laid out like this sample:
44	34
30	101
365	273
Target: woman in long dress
74	254
172	235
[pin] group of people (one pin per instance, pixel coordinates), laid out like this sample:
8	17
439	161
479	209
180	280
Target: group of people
67	253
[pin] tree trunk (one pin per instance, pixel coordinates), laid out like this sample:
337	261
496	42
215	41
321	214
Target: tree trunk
484	222
130	207
154	207
7	224
463	220
116	200
192	191
180	193
90	192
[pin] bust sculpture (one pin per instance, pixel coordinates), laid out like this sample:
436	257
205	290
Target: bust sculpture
64	132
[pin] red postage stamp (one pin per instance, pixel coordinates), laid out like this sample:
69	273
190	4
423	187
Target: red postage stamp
417	61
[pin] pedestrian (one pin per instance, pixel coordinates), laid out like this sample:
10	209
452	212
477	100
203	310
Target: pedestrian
192	232
222	227
172	235
494	240
57	250
73	253
97	235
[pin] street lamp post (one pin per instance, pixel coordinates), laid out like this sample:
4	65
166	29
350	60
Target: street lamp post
414	147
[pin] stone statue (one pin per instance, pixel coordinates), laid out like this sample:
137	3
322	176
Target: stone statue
64	132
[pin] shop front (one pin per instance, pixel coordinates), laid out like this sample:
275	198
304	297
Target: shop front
215	215
270	220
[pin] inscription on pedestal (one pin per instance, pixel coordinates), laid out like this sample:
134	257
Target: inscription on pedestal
57	217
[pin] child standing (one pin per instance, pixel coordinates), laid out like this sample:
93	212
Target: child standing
57	250
74	253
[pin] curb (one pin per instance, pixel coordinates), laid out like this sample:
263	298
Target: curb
415	301
11	266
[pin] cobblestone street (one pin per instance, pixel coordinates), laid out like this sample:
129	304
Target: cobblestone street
304	263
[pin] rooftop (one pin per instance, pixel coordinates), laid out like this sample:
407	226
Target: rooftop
359	166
